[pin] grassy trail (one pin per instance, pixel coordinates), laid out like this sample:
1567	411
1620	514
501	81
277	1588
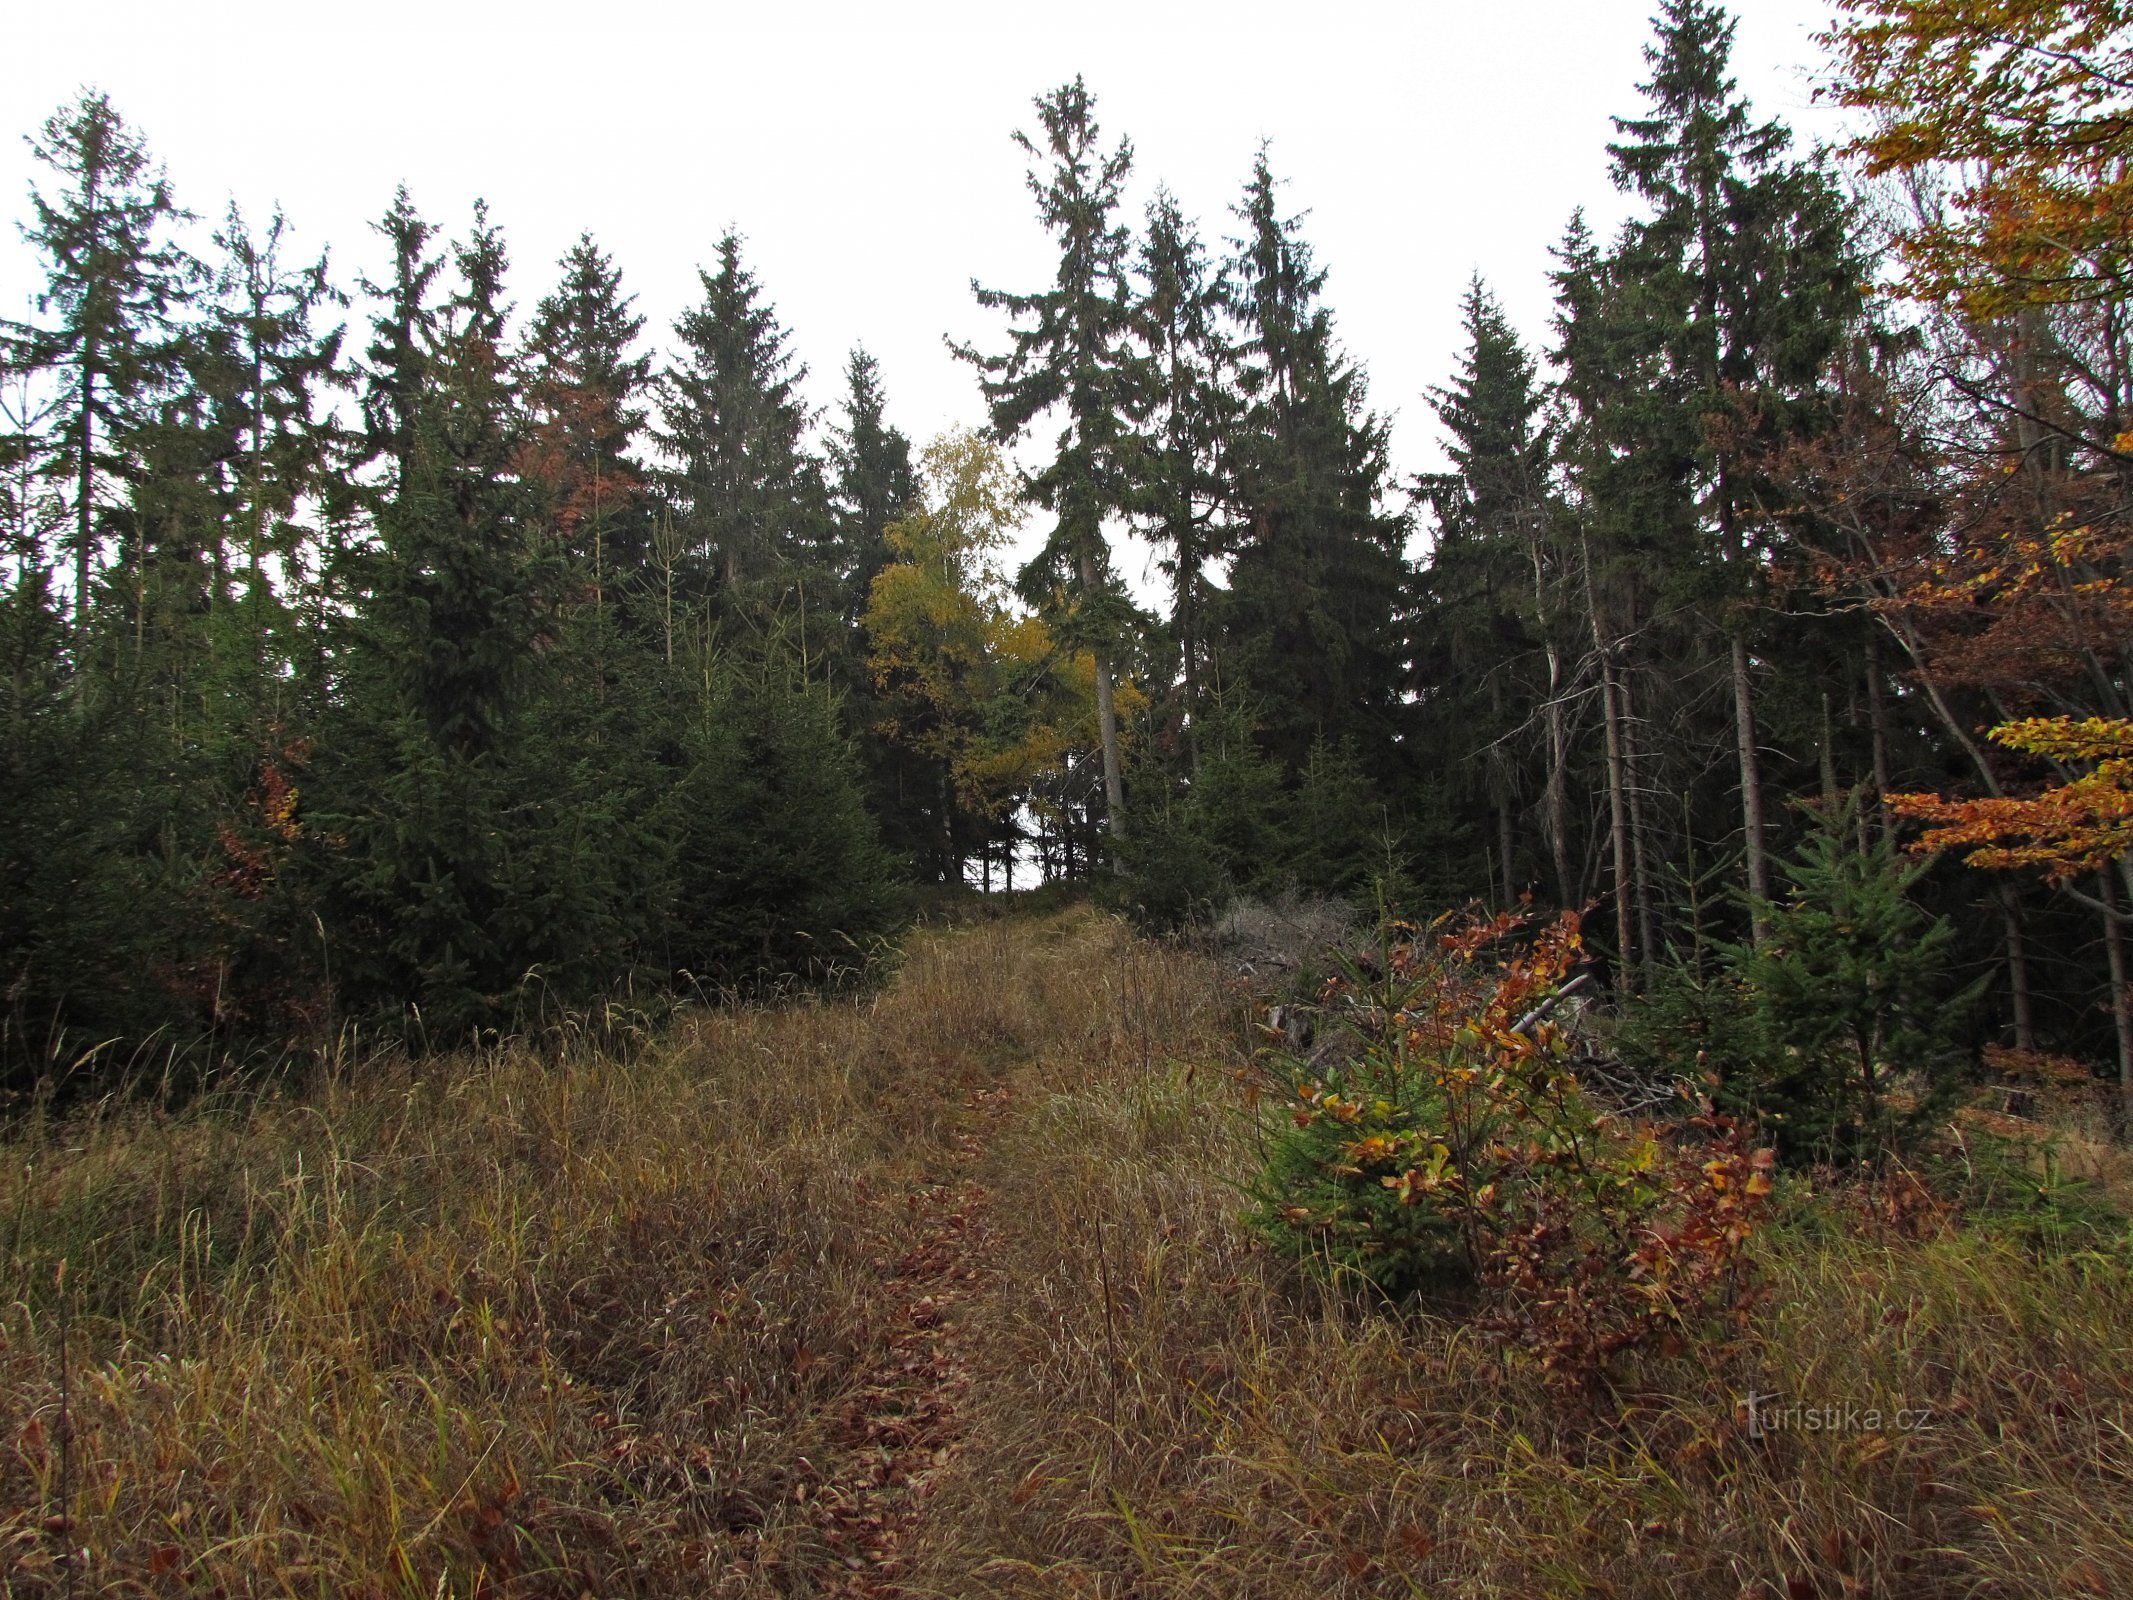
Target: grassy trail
944	1294
903	1420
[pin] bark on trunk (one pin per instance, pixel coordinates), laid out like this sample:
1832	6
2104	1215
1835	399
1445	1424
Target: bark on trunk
84	505
2114	944
1618	808
2025	1033
1640	847
1503	845
1617	786
1558	781
1877	713
1751	791
1106	722
1500	779
951	857
1829	756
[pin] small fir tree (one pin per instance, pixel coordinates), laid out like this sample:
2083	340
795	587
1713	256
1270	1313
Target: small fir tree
1856	1010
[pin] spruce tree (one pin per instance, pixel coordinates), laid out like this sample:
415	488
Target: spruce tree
1310	621
116	285
455	535
1626	450
1487	615
274	321
1180	495
1744	281
393	382
746	495
1854	1010
418	775
1070	348
586	390
776	867
873	482
874	485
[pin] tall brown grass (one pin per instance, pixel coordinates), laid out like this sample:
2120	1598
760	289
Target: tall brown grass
1173	1413
514	1324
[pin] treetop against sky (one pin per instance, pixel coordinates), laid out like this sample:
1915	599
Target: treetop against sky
868	161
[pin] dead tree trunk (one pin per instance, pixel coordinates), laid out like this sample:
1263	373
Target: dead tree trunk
1751	791
1558	781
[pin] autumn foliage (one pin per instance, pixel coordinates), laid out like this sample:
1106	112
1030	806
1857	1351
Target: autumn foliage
2078	826
2025	100
982	691
1457	1147
2008	125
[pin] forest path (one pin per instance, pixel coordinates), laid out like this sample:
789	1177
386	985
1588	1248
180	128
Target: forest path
903	1421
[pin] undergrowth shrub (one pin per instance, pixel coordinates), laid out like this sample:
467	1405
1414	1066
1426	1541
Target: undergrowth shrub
1456	1148
1838	1033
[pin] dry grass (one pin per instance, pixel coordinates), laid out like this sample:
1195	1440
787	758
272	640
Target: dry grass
557	1326
534	1327
1172	1413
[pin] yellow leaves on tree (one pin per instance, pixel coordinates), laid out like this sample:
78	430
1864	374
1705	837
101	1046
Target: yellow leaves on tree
968	681
2072	828
2011	122
2027	107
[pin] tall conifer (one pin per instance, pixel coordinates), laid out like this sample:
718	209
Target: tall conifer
1070	348
733	423
1489	586
1315	590
586	390
1745	281
116	285
400	330
1180	489
874	482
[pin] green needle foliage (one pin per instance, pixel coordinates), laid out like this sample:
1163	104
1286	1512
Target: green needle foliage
1853	995
454	650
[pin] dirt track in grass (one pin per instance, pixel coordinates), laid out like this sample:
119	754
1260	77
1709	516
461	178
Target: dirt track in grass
903	1421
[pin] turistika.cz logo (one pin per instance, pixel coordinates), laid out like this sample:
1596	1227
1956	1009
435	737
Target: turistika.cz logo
1766	1417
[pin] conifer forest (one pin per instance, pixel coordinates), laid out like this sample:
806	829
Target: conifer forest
616	983
421	648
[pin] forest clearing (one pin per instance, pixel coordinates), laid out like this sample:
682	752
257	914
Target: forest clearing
945	1291
619	977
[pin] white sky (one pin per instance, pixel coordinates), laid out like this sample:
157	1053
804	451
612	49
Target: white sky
864	151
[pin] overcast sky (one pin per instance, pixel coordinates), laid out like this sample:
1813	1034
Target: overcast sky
863	150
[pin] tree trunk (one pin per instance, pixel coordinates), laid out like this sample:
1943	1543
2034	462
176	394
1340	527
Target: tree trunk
1558	781
2025	1033
1503	845
1640	851
1829	756
85	489
1617	785
1106	721
1107	730
1877	714
951	857
2114	944
1751	791
1189	629
1500	780
1618	808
